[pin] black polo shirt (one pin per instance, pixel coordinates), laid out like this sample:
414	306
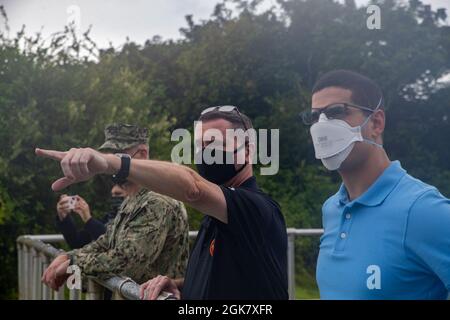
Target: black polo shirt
244	259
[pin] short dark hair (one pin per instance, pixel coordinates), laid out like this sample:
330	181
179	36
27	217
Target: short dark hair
237	119
365	92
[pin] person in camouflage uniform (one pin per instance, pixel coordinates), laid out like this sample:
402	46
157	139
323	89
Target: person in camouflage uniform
148	237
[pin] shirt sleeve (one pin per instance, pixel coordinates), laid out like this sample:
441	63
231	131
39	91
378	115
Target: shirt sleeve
94	228
141	244
94	247
427	235
74	238
249	215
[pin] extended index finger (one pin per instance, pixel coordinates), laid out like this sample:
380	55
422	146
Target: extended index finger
52	154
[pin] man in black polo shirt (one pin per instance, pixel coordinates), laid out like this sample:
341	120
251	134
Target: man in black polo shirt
240	252
245	256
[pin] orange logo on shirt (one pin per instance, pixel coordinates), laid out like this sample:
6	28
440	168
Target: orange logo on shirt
211	247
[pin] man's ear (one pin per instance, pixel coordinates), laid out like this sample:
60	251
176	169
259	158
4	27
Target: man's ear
378	120
250	150
144	153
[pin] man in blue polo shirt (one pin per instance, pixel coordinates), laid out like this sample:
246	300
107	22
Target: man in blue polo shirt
387	234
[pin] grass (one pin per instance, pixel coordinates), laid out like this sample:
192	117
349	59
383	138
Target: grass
306	292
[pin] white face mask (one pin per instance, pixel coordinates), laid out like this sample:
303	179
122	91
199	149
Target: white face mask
334	139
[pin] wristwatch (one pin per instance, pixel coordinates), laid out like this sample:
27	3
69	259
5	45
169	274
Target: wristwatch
121	176
71	262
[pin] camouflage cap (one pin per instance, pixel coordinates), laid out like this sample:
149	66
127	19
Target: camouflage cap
119	137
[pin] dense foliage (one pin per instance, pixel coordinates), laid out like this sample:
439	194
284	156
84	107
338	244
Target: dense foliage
60	93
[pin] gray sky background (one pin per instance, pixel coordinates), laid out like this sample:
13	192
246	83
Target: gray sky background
114	20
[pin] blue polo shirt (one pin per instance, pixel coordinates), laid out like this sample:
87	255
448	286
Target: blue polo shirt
392	242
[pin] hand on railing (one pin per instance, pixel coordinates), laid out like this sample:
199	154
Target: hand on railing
56	273
159	286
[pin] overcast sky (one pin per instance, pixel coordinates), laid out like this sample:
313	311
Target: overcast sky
114	20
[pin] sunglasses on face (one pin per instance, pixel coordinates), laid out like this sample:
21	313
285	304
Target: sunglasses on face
121	184
334	111
225	109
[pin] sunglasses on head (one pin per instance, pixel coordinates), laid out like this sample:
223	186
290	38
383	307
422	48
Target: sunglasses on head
225	109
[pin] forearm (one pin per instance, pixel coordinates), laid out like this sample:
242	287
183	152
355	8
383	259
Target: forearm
171	179
132	248
75	239
94	228
180	183
97	246
98	264
67	227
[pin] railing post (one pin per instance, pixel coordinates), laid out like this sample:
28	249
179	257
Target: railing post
59	295
36	279
46	291
38	276
94	290
33	274
74	294
20	270
116	295
291	265
26	271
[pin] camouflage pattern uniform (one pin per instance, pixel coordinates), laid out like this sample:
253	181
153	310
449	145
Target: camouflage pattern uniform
119	137
149	235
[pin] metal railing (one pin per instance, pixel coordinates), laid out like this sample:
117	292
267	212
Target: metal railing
35	252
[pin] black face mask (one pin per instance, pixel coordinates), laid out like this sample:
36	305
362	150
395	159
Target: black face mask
115	203
219	173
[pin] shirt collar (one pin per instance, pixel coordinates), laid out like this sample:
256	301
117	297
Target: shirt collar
132	198
379	190
250	183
